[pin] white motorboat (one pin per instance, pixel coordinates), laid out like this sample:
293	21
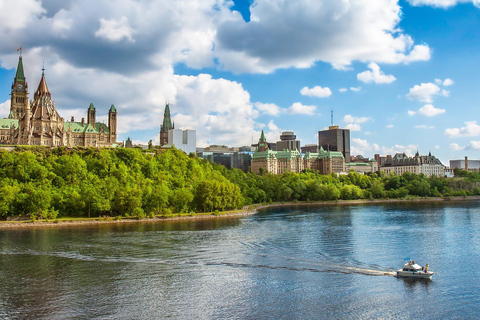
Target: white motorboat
413	270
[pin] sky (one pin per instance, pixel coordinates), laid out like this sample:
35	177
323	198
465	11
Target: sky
401	75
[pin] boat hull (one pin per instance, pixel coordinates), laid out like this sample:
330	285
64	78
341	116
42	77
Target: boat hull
414	274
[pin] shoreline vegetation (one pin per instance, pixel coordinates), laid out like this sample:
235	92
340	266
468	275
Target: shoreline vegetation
246	211
75	185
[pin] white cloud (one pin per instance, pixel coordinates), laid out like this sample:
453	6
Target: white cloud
411	112
389	126
424	92
351	119
343	90
362	147
375	75
423	126
5	109
456	147
471	129
356	89
437	147
448	82
268	108
316	91
298	108
409	150
16	15
115	30
442	3
353	127
329	32
430	111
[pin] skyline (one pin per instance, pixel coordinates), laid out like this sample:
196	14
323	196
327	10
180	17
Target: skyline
399	74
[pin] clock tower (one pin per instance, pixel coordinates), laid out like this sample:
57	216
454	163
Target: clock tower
19	101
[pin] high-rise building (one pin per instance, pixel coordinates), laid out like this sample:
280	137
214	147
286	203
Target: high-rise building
288	141
335	139
185	140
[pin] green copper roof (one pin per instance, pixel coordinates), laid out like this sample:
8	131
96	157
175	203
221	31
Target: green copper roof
112	108
288	154
87	128
20	76
262	137
167	122
264	154
91	107
8	123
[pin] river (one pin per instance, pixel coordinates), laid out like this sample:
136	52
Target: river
328	262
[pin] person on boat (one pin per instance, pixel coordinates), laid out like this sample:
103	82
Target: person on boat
426	267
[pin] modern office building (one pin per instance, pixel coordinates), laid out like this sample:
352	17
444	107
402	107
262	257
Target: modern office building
288	141
185	140
469	165
312	148
335	139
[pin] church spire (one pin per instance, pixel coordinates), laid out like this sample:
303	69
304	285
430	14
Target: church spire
20	77
166	126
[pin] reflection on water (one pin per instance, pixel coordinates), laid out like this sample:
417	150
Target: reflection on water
292	263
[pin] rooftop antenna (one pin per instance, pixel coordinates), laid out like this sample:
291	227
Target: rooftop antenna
331	112
43	68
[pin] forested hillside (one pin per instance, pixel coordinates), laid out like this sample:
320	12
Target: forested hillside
46	183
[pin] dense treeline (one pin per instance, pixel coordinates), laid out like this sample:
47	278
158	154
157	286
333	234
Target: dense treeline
46	183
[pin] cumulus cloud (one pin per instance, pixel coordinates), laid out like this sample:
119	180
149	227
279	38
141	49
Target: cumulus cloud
375	75
409	150
302	32
424	126
363	147
430	111
351	119
471	129
411	112
316	91
353	127
356	89
115	30
447	82
343	90
16	15
442	3
424	92
298	108
5	109
268	108
455	147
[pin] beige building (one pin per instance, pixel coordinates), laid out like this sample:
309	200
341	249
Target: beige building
401	163
38	122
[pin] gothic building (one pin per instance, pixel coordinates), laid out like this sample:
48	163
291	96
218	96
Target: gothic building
38	122
185	140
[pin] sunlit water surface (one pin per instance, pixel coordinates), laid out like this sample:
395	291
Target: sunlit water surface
282	263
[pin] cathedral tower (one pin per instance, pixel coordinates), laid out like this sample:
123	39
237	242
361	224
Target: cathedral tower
91	115
19	100
112	123
167	125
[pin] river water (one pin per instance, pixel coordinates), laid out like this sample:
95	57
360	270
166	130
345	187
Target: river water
328	262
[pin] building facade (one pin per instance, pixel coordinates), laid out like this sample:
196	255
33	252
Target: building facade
288	141
401	163
278	162
335	139
38	122
185	140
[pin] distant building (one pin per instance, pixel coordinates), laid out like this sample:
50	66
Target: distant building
128	143
469	165
335	139
38	122
239	158
185	140
362	167
278	162
288	141
401	163
312	148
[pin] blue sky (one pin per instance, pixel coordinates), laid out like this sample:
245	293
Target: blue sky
402	75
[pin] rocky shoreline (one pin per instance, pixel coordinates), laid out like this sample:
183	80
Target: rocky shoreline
246	211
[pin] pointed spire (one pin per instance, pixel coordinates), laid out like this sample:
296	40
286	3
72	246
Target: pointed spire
112	108
91	107
167	121
262	137
20	76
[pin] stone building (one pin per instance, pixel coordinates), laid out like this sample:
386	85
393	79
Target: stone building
185	140
38	122
401	163
278	162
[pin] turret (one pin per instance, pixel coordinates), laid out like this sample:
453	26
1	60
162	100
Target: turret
112	123
166	126
91	114
19	93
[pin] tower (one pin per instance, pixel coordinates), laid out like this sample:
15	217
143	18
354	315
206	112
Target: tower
112	123
166	125
262	143
335	139
91	115
19	99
